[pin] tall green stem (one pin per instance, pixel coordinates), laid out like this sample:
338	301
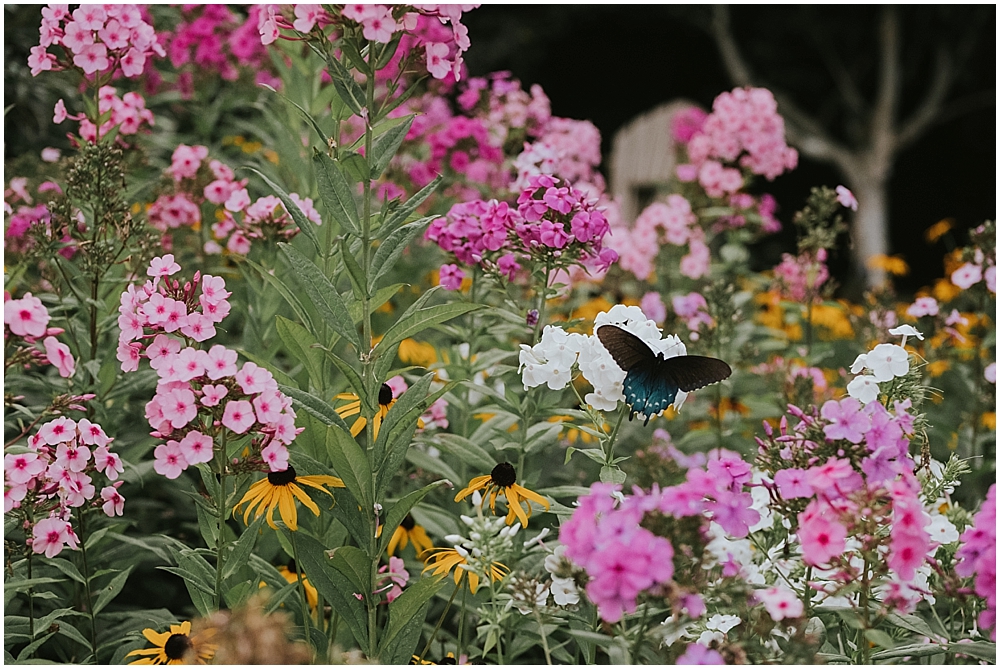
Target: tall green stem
220	505
543	295
86	580
610	455
31	600
641	633
451	599
545	641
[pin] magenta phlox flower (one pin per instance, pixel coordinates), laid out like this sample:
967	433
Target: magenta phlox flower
793	483
22	467
780	603
835	478
114	502
238	416
51	535
847	421
58	431
169	459
822	537
733	513
26	317
730	470
196	447
696	653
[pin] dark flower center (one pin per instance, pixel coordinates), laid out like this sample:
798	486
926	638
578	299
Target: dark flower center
384	395
176	646
408	523
503	475
282	478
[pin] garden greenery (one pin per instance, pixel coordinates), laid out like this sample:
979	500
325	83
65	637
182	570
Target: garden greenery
301	365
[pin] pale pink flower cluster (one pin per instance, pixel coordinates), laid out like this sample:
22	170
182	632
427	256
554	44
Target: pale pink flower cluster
95	39
507	107
161	307
980	261
743	129
977	556
128	113
568	149
199	393
800	277
381	23
693	310
27	319
54	474
196	180
26	216
670	222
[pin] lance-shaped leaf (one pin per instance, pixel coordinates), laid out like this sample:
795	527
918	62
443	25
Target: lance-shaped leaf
302	345
409	606
307	227
323	294
397	512
399	216
306	115
352	466
336	192
353	378
393	246
467	451
334	586
315	406
420	320
354	271
355	565
347	88
285	292
381	296
384	146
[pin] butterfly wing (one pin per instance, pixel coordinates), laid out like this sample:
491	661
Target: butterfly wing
648	391
626	349
691	372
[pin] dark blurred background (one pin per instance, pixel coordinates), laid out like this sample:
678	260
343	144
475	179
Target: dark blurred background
608	64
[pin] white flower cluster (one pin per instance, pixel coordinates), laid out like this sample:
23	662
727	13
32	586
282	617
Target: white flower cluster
490	540
885	362
563	589
551	360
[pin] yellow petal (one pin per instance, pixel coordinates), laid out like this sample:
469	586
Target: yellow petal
359	425
301	495
286	505
421	542
475	484
154	637
473	582
270	511
399	537
533	496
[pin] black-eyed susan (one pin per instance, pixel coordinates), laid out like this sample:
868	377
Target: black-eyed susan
178	646
353	408
503	481
291	574
443	560
408	531
280	490
414	352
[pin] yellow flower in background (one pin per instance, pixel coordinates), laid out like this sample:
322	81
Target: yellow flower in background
503	481
728	405
938	367
291	574
353	408
894	265
172	647
938	230
444	560
588	311
571	432
990	420
835	319
952	261
279	490
408	531
414	352
945	291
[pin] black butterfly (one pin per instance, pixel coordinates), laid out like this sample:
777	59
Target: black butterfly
652	381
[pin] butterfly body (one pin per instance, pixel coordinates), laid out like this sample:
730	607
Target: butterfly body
653	380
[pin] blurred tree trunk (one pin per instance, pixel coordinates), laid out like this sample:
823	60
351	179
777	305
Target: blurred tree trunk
866	164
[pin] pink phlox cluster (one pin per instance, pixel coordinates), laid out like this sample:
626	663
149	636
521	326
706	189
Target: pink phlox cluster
909	541
55	474
214	39
671	222
802	276
97	39
128	114
196	179
394	578
977	556
696	653
743	129
507	108
621	558
552	221
436	415
161	306
566	148
663	446
923	306
686	123
693	310
652	305
27	319
23	213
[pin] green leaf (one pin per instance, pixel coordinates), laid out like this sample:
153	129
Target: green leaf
384	146
420	321
354	564
393	246
397	512
315	406
333	586
912	623
352	376
240	553
68	568
111	590
303	346
468	452
208	524
880	638
190	578
351	465
30	649
323	294
399	216
913	650
354	272
307	227
408	606
381	296
423	460
354	165
284	291
308	117
347	88
21	586
981	650
348	512
336	193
